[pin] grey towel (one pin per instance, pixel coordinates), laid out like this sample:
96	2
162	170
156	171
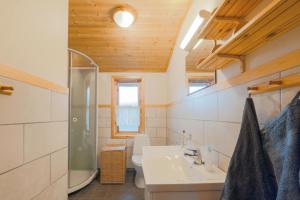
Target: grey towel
250	175
281	139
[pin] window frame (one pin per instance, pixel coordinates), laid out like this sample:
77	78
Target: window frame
210	79
114	101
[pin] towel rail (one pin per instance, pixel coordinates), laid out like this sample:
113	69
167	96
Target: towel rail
275	84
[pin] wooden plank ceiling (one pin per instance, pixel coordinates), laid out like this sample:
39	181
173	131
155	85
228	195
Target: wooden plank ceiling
146	46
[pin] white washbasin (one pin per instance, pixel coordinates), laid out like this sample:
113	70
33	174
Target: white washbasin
165	168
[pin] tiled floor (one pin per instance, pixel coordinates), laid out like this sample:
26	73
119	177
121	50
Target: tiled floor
96	191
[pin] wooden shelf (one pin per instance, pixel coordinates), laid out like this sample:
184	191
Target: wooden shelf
274	20
197	55
276	84
227	18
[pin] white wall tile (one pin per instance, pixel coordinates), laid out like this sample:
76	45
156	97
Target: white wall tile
206	107
156	122
56	191
222	136
231	104
151	132
104	122
104	112
11	146
150	112
129	142
59	164
227	137
101	122
196	129
59	106
162	132
210	133
158	141
161	112
104	132
26	181
267	105
287	95
27	104
43	138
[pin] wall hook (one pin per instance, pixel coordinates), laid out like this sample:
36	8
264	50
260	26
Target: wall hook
275	82
6	89
252	88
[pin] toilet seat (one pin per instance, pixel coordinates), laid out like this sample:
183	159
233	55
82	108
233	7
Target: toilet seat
137	160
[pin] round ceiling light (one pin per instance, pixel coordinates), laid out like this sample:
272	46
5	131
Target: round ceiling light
123	16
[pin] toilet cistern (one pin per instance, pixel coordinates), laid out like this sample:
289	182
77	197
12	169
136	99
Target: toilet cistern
137	158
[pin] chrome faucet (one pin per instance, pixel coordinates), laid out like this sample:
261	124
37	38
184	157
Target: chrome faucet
196	155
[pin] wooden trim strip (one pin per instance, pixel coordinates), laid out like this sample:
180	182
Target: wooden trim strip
156	105
104	105
146	105
18	75
133	70
276	84
277	65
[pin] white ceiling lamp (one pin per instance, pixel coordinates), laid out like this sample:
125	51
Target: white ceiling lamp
192	30
124	16
198	43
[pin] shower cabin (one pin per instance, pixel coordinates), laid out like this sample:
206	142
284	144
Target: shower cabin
82	120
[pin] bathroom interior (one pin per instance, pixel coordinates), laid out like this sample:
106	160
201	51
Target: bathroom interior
149	100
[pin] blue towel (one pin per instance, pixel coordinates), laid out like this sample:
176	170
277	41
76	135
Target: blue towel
281	139
250	175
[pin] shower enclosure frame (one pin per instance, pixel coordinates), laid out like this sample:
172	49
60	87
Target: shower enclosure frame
94	65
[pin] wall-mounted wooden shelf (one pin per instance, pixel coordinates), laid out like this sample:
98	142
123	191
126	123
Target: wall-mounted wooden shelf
228	17
198	54
276	84
274	20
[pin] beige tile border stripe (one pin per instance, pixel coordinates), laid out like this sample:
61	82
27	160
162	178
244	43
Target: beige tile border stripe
18	75
146	105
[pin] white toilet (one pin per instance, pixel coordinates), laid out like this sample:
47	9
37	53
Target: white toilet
139	142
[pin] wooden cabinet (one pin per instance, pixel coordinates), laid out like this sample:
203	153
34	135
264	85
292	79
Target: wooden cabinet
113	164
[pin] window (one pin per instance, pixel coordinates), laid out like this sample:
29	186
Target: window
194	87
198	83
127	106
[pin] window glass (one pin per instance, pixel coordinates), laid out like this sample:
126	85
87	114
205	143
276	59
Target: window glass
128	110
128	94
196	87
197	83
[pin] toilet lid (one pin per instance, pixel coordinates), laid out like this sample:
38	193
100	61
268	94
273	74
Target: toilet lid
137	159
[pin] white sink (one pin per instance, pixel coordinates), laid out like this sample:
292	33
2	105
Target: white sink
169	175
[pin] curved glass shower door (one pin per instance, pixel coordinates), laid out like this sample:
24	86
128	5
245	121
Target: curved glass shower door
82	121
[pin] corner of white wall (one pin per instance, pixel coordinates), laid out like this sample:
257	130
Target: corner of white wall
176	84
